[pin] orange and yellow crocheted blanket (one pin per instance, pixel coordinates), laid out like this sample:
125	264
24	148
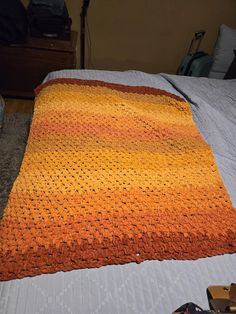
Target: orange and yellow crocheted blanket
112	174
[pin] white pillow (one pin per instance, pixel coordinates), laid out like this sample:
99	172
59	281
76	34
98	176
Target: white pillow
224	52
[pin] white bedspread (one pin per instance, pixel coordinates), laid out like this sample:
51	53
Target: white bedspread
213	104
152	286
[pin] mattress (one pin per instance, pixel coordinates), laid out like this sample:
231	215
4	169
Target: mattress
152	286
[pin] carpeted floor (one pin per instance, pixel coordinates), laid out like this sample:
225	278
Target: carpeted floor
13	140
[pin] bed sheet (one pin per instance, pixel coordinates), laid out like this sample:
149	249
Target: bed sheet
213	105
152	286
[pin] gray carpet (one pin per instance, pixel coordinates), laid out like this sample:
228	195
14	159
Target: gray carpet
13	140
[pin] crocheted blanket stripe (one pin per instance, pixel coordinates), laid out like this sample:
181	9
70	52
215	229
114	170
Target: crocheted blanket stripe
112	174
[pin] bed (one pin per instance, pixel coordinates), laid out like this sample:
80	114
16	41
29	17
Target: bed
152	286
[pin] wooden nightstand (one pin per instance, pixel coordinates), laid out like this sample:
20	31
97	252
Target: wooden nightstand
23	67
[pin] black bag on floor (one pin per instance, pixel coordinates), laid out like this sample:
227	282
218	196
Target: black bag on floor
49	18
13	22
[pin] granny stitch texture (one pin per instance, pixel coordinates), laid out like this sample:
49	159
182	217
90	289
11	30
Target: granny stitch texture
112	174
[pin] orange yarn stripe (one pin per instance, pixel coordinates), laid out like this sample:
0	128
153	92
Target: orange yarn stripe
112	174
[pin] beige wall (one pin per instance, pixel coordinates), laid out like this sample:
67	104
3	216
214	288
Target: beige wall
149	35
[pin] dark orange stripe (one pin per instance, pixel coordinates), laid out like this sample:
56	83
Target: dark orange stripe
119	87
